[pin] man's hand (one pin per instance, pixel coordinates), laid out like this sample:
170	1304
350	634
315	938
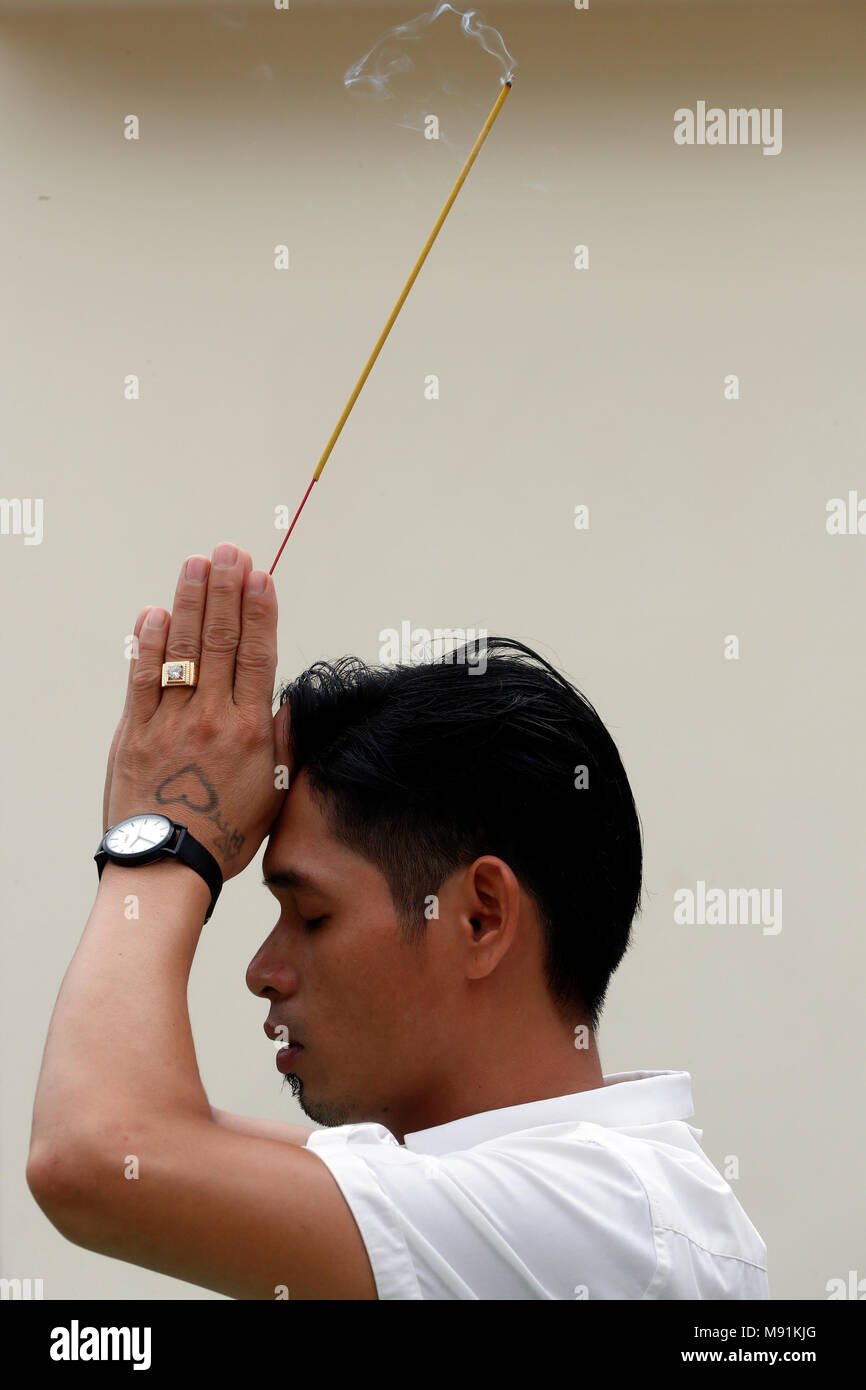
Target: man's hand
207	757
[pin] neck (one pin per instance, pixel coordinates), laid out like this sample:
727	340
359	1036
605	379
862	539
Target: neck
509	1072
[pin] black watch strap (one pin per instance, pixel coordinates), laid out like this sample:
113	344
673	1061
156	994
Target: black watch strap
192	852
187	850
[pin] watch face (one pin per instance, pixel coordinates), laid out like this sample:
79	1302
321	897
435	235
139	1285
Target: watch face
138	834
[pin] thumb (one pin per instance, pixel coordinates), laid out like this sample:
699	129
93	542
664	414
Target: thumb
282	737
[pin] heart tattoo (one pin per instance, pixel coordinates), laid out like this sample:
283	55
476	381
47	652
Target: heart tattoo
190	786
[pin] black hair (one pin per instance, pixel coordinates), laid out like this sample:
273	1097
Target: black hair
422	768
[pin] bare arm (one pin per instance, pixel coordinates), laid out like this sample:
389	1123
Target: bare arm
262	1129
127	1155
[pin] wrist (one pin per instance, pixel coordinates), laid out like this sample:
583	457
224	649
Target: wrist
151	838
166	883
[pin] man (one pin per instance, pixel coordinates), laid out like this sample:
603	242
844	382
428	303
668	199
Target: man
457	862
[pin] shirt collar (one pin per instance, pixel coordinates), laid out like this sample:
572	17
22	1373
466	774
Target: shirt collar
626	1098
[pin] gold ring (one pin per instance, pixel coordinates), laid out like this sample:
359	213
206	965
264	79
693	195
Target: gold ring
179	673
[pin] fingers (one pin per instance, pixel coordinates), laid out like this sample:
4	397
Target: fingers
282	756
146	688
187	616
124	715
257	651
221	626
132	660
282	722
282	742
217	621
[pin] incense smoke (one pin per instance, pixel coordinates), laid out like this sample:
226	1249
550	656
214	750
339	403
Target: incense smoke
388	56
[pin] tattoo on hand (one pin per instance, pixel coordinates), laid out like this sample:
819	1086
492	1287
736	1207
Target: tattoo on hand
192	788
231	841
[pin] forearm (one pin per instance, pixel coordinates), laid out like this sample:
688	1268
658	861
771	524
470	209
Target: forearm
119	1053
257	1128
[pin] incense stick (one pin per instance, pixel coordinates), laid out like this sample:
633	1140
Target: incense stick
482	136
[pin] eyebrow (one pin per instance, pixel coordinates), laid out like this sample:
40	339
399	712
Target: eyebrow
291	878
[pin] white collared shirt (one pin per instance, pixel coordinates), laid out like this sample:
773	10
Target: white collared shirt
602	1194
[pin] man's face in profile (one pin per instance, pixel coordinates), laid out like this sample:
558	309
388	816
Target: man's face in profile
369	1008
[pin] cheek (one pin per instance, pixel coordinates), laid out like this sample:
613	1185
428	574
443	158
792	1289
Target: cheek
365	971
411	988
372	978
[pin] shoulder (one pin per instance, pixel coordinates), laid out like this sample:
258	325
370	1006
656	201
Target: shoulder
563	1211
545	1213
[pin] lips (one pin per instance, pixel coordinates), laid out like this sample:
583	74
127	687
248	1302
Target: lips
277	1033
287	1058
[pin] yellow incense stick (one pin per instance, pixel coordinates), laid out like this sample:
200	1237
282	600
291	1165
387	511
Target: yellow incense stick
482	136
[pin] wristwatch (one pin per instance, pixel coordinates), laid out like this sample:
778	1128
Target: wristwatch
144	838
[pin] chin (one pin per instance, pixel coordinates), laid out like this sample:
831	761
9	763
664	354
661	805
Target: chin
321	1112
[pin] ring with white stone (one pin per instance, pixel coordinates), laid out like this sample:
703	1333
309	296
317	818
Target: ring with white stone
179	673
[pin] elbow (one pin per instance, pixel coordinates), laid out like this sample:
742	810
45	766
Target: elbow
61	1181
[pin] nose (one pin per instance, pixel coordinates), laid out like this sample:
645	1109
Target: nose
269	973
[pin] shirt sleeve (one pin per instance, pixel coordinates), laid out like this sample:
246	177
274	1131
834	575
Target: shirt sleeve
521	1217
347	1152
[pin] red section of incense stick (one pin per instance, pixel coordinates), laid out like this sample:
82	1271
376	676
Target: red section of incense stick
289	532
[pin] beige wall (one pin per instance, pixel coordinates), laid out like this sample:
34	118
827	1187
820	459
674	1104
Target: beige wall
558	387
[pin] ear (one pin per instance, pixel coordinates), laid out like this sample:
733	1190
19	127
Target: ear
492	912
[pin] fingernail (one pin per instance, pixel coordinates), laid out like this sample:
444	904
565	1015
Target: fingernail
196	568
156	617
257	582
225	555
